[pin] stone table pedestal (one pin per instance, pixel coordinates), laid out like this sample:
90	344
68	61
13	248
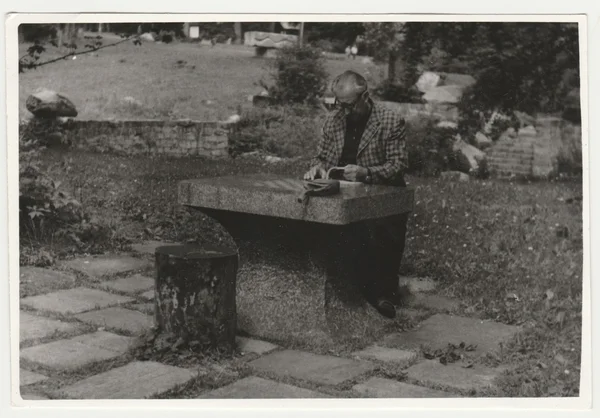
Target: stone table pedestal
299	264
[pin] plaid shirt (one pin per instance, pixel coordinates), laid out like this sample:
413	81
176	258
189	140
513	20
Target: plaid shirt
382	146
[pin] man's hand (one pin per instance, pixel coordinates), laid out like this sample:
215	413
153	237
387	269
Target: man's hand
355	173
315	172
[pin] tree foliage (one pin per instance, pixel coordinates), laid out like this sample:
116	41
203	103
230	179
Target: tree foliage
384	41
299	74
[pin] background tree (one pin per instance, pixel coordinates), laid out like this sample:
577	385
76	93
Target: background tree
384	41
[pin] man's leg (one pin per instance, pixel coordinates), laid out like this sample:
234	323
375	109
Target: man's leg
386	241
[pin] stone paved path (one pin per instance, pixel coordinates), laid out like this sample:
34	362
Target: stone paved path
76	331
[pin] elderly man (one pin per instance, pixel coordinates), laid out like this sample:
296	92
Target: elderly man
367	140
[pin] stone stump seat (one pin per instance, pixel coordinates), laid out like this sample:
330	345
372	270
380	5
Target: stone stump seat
195	295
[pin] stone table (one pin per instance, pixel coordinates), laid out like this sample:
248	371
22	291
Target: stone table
296	281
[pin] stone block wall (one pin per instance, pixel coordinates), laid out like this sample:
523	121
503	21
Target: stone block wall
516	157
174	138
534	155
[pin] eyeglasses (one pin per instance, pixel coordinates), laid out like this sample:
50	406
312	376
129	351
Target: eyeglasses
349	106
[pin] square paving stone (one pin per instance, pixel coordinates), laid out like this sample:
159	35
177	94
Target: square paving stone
136	380
119	318
418	284
78	351
439	330
312	367
32	327
35	280
29	378
432	372
147	308
149	247
106	265
378	387
386	355
258	388
249	345
434	302
132	284
149	295
33	397
76	300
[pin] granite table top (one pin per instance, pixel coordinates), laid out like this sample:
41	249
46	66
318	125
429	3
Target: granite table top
276	196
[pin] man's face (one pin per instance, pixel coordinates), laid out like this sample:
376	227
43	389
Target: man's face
354	105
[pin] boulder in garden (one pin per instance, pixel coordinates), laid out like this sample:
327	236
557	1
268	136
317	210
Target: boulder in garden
49	104
454	176
444	94
147	37
528	131
482	141
468	156
447	124
524	118
427	81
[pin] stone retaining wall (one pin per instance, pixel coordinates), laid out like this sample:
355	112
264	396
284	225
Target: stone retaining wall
534	155
175	138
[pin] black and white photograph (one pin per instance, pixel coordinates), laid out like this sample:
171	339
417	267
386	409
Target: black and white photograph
321	209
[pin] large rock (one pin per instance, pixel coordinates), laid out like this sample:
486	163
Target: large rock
482	141
427	81
468	155
444	94
49	104
455	79
524	118
454	176
147	37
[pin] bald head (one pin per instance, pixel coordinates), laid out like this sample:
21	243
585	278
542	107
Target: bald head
349	85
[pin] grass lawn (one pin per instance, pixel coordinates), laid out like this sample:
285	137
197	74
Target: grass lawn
181	80
493	245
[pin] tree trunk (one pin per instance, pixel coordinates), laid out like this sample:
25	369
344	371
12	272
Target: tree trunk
195	301
237	28
391	68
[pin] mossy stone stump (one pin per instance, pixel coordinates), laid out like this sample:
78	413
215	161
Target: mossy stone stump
195	303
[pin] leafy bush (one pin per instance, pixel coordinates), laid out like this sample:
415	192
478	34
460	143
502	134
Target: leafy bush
285	132
570	157
393	92
42	203
429	147
331	45
48	213
166	36
37	32
299	74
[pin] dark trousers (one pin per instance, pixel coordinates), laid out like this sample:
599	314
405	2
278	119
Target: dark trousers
381	246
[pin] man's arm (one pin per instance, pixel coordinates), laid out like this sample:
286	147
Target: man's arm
396	156
323	150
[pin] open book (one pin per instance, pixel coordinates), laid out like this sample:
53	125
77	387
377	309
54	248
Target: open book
336	173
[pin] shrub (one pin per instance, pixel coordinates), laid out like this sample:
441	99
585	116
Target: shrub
285	132
429	148
569	158
43	205
37	32
166	37
299	74
331	45
393	92
48	214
